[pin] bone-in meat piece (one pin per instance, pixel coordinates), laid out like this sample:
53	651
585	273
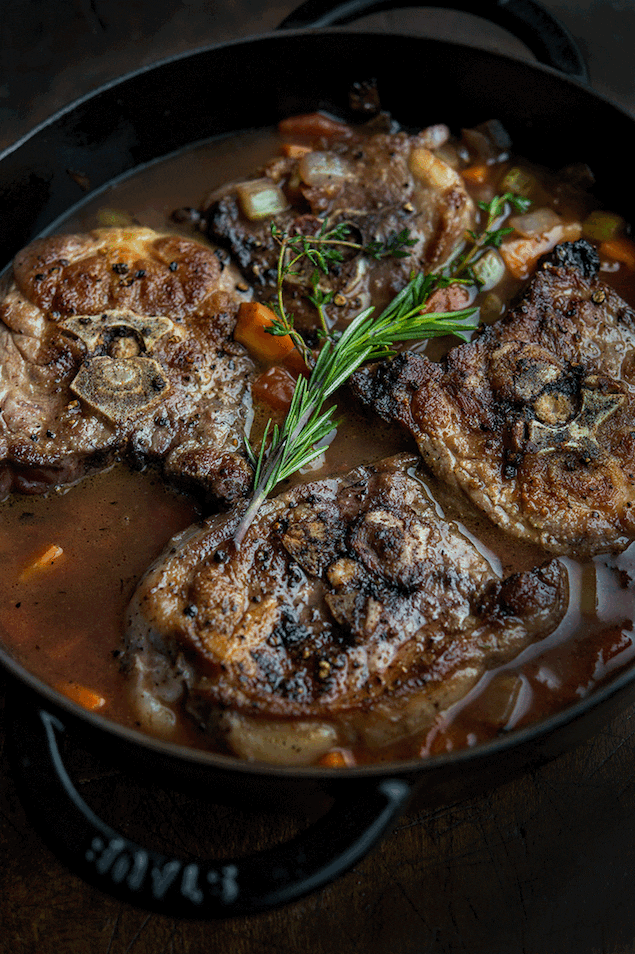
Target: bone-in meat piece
534	419
377	184
352	611
118	343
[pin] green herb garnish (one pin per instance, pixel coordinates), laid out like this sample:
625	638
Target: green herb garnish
492	234
296	442
322	251
287	448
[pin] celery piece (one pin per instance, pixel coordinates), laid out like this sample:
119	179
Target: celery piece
489	269
601	226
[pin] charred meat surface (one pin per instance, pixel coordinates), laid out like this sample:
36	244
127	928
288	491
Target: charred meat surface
377	184
118	343
534	420
352	612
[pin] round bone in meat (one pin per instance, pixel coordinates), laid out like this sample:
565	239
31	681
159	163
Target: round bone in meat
118	344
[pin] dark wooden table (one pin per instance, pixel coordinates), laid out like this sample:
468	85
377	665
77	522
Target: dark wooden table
542	865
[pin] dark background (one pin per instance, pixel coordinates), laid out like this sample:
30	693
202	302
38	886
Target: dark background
544	865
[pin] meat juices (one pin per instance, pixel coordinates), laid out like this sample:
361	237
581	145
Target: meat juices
533	419
379	185
352	612
117	344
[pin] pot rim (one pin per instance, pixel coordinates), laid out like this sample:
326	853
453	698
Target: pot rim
535	732
304	32
420	766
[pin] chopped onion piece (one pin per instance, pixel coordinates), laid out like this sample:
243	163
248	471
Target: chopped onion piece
436	136
433	171
479	145
261	199
153	715
489	269
488	142
278	742
319	168
536	222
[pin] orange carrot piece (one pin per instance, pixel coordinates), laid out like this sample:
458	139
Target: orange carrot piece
82	695
620	250
294	151
338	758
44	559
295	363
477	174
251	330
312	126
521	254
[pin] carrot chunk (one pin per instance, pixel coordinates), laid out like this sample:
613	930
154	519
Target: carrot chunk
477	174
82	695
312	126
338	758
521	254
44	559
274	387
251	330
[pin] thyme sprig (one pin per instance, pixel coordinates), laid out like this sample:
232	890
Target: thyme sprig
323	251
492	233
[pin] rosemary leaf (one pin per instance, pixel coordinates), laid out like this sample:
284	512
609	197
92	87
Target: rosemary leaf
287	448
296	443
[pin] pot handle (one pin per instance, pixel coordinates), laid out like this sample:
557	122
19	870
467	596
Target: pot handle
176	887
529	21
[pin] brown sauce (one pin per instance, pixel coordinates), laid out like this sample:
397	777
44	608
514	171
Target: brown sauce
63	622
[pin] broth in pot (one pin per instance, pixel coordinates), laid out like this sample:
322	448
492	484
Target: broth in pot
381	603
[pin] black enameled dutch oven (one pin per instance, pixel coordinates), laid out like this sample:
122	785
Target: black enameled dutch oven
308	65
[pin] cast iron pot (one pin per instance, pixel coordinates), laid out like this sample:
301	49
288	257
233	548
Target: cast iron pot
149	114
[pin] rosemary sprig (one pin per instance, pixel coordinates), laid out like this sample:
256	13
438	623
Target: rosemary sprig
285	449
296	442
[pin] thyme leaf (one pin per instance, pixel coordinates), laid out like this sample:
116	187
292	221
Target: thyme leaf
492	233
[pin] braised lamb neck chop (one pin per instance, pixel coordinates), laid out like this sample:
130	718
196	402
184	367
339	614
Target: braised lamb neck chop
378	184
118	343
351	611
534	419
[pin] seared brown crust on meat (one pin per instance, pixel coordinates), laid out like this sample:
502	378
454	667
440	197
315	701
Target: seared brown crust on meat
352	604
118	343
388	182
533	420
